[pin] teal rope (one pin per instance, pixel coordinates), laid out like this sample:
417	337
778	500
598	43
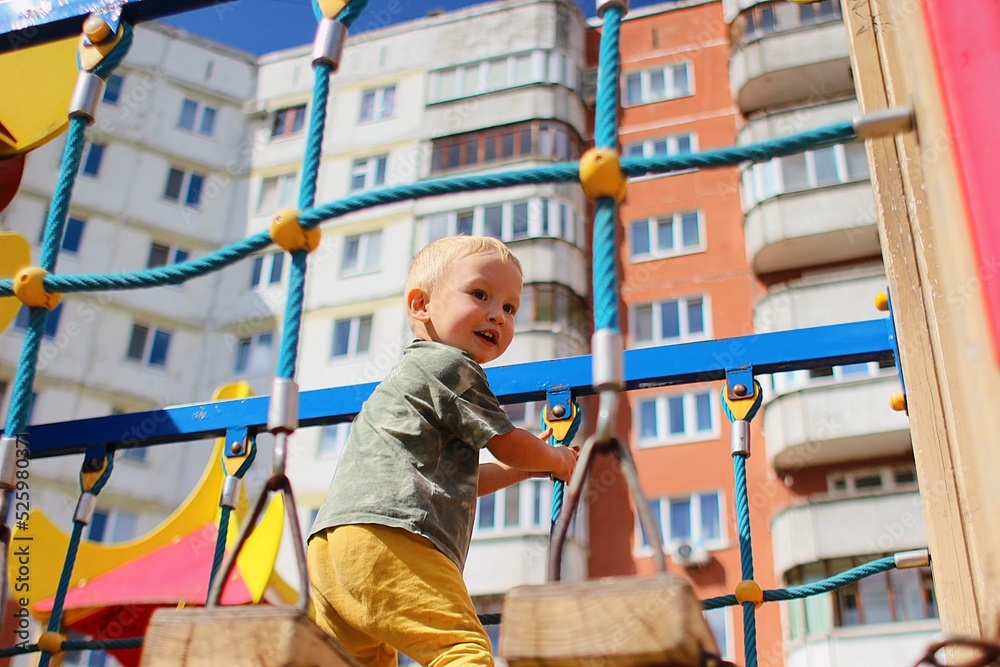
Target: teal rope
55	619
220	543
314	140
293	316
77	645
827	585
746	558
565	172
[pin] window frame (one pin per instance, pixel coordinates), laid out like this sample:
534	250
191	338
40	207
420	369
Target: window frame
695	520
683	309
371	170
286	192
677	233
670	91
648	145
887	480
173	255
368	258
150	341
113	88
290	120
252	356
190	187
93	159
356	325
263	266
547	217
763	181
200	111
378	110
662	418
21	321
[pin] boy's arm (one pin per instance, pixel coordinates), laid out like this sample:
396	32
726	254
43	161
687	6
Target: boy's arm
496	476
524	451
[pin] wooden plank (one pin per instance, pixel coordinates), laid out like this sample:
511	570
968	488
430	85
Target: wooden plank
909	261
621	621
252	636
964	344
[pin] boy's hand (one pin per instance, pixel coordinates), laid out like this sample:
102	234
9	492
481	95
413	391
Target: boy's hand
565	462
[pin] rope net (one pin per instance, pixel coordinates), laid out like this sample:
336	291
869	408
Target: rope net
311	216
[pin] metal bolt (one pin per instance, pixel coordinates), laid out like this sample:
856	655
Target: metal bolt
559	411
740	390
236	447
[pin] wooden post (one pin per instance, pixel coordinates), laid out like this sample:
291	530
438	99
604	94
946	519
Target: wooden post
936	281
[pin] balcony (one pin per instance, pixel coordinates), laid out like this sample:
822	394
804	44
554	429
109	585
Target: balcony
884	645
831	422
497	564
830	528
821	225
847	296
801	64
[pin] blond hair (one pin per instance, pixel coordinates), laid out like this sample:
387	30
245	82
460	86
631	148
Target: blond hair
431	264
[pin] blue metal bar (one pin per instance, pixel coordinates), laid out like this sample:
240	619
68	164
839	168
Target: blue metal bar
648	367
26	24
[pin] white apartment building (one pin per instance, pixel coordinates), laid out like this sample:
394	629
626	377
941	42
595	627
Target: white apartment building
812	239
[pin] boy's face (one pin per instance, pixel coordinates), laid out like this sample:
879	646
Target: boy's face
473	306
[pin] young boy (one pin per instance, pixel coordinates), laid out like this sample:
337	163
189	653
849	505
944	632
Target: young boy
389	543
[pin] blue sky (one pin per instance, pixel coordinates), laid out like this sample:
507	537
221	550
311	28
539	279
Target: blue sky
259	26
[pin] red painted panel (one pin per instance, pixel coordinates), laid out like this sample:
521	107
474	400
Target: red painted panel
965	37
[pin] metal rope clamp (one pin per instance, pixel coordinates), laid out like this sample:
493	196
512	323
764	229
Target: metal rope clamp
652	619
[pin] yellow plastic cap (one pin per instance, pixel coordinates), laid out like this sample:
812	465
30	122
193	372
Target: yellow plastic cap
601	174
30	288
882	301
897	401
96	29
749	590
287	233
51	641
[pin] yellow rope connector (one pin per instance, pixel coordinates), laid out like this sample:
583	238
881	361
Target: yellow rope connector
331	8
287	233
30	289
91	51
601	174
749	590
51	642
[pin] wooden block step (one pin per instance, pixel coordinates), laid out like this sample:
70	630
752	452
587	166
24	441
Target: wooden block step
248	636
616	621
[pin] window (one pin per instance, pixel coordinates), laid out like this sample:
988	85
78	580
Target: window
504	72
112	526
149	345
896	596
368	173
136	454
676	418
670	321
523	507
73	235
351	336
197	117
378	103
509	221
22	320
667	236
254	354
696	519
332	439
184	187
677	144
288	121
771	17
165	255
886	478
93	155
552	305
843	163
658	83
113	89
819	12
266	270
361	253
277	192
536	139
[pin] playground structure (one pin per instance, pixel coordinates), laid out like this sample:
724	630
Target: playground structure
938	277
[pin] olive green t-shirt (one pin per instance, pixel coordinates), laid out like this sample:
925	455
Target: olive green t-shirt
411	460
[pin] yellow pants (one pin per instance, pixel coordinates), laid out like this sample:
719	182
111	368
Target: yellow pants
379	590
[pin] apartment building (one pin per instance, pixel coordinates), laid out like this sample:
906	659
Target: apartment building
848	493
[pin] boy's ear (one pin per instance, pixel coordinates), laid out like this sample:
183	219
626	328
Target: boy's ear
417	301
